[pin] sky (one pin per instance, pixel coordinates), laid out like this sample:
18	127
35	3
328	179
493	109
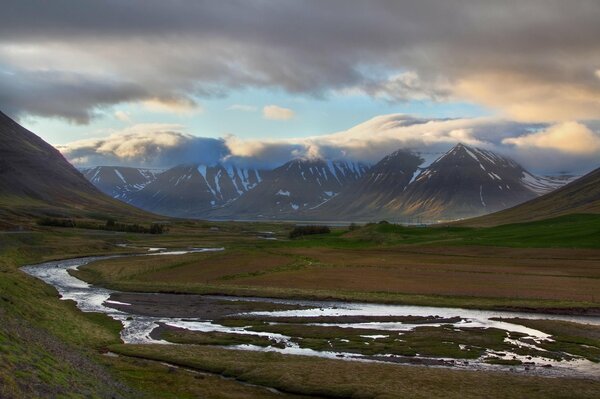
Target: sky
156	83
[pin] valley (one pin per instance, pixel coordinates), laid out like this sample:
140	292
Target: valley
292	271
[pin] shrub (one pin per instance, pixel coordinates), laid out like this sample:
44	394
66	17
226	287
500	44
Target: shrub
110	225
300	231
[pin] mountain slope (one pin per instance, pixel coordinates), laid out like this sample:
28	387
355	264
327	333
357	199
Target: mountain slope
579	196
383	183
193	190
296	186
35	179
466	181
120	181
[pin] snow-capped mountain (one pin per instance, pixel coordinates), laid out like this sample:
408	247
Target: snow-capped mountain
119	181
382	183
465	182
404	186
462	182
192	190
296	186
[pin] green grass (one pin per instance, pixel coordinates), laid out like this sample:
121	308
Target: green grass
346	379
571	231
47	346
215	338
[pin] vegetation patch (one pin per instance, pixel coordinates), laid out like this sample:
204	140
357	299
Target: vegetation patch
300	231
109	225
182	336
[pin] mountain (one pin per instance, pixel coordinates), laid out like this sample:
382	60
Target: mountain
579	196
468	181
463	182
118	181
36	180
193	190
296	186
373	190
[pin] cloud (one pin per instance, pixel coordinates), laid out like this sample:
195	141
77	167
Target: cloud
274	112
568	137
571	146
536	60
71	96
243	108
123	116
149	145
530	99
174	105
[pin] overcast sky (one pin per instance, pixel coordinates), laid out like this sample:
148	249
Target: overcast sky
155	83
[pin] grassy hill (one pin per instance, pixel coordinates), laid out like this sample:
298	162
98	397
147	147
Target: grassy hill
37	181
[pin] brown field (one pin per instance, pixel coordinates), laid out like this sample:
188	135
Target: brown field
547	274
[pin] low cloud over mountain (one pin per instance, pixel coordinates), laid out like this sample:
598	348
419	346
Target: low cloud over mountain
544	148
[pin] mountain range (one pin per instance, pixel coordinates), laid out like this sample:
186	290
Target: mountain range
463	182
36	180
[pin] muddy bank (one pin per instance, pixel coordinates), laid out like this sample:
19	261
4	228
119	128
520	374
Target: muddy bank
200	307
550	311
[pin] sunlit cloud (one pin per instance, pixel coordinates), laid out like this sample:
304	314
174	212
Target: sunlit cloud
174	105
567	137
275	112
529	99
567	146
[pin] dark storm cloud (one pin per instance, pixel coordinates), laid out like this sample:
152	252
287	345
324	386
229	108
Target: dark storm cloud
532	59
69	95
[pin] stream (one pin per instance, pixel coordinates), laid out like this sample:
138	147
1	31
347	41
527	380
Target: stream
137	328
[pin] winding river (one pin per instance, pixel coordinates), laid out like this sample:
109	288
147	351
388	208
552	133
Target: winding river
137	328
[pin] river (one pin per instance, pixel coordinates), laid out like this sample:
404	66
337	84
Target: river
137	328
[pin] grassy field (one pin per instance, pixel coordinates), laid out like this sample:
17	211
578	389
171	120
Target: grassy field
441	266
344	379
49	348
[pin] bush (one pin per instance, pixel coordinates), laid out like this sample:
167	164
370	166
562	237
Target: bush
110	225
54	222
300	231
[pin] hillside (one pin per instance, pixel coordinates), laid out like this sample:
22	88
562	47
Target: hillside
580	196
119	181
194	190
36	180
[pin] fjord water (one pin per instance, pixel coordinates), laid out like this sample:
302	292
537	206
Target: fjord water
137	328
